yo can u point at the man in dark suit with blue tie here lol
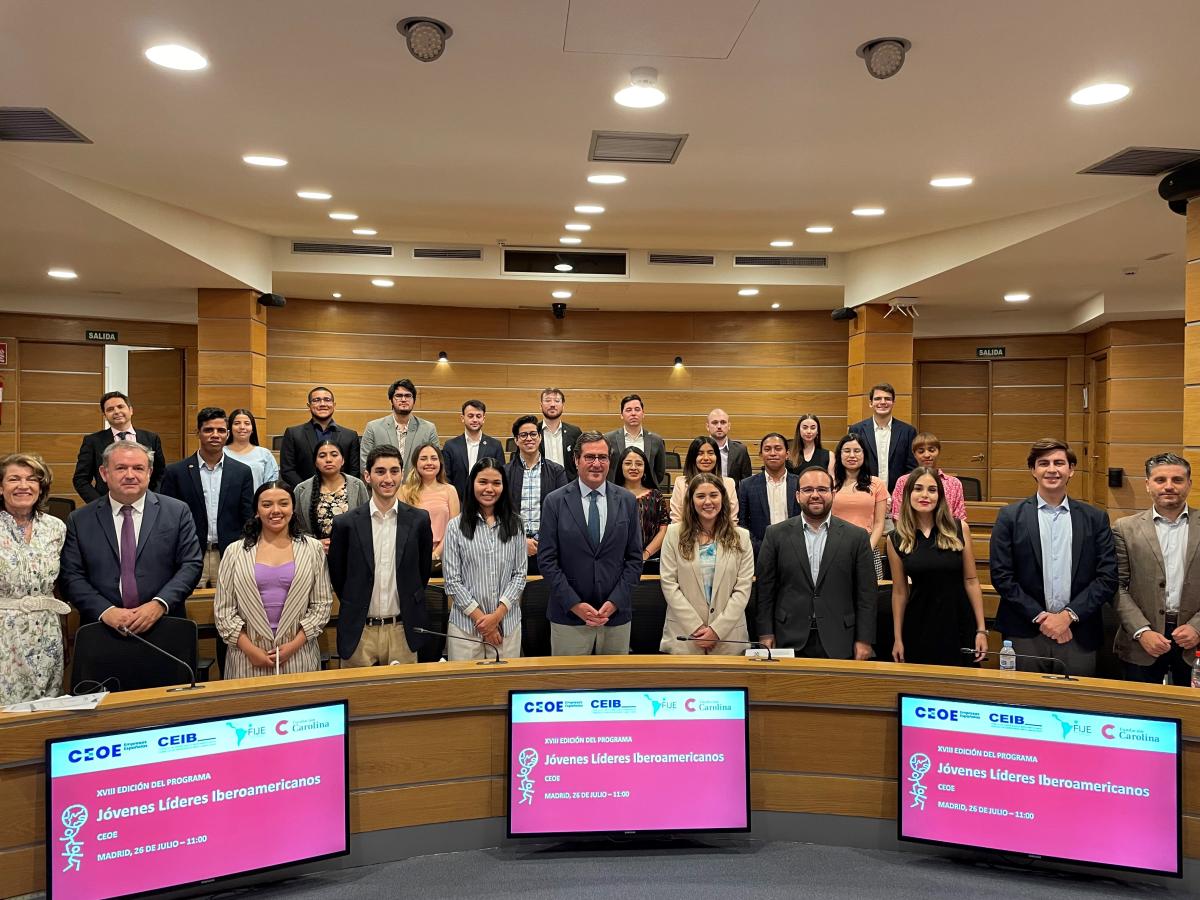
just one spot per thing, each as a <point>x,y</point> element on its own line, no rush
<point>884,429</point>
<point>462,452</point>
<point>768,497</point>
<point>217,489</point>
<point>130,556</point>
<point>590,553</point>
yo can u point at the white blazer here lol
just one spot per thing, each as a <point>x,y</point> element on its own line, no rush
<point>679,496</point>
<point>687,608</point>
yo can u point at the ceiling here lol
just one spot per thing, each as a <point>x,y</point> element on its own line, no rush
<point>488,144</point>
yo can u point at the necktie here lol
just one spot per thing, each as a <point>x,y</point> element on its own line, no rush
<point>594,518</point>
<point>122,435</point>
<point>403,440</point>
<point>129,589</point>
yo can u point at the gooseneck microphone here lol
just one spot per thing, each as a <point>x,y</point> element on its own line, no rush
<point>758,644</point>
<point>125,632</point>
<point>455,637</point>
<point>1065,676</point>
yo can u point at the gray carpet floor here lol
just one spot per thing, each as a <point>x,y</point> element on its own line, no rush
<point>720,871</point>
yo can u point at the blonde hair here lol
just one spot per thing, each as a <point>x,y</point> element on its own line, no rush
<point>724,532</point>
<point>946,528</point>
<point>410,491</point>
<point>40,469</point>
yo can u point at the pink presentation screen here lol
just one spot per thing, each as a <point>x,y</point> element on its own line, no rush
<point>141,811</point>
<point>625,761</point>
<point>1043,782</point>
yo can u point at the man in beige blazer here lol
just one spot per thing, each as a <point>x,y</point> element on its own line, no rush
<point>1158,578</point>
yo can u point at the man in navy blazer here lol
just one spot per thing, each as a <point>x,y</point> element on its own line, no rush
<point>462,452</point>
<point>754,502</point>
<point>218,490</point>
<point>1053,562</point>
<point>165,563</point>
<point>883,427</point>
<point>590,553</point>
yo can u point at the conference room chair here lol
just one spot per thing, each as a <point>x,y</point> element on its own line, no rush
<point>277,443</point>
<point>438,611</point>
<point>649,614</point>
<point>535,627</point>
<point>674,461</point>
<point>120,663</point>
<point>972,487</point>
<point>60,507</point>
<point>510,446</point>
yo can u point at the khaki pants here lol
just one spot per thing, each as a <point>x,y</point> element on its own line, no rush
<point>212,564</point>
<point>584,640</point>
<point>457,651</point>
<point>381,645</point>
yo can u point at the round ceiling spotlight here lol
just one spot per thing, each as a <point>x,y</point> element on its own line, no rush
<point>1100,94</point>
<point>62,274</point>
<point>643,91</point>
<point>868,211</point>
<point>383,282</point>
<point>563,267</point>
<point>884,56</point>
<point>589,209</point>
<point>561,295</point>
<point>365,232</point>
<point>819,229</point>
<point>952,181</point>
<point>1017,296</point>
<point>748,292</point>
<point>314,195</point>
<point>176,56</point>
<point>266,162</point>
<point>606,179</point>
<point>426,38</point>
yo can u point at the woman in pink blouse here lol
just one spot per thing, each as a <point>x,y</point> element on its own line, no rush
<point>927,448</point>
<point>426,487</point>
<point>859,497</point>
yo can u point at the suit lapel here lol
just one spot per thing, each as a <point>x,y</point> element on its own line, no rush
<point>1078,525</point>
<point>610,502</point>
<point>793,505</point>
<point>403,524</point>
<point>105,515</point>
<point>800,548</point>
<point>575,509</point>
<point>150,513</point>
<point>193,465</point>
<point>366,541</point>
<point>868,440</point>
<point>1147,532</point>
<point>695,591</point>
<point>1028,518</point>
<point>1193,539</point>
<point>832,537</point>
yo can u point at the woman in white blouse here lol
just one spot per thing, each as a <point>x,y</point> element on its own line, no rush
<point>242,445</point>
<point>703,456</point>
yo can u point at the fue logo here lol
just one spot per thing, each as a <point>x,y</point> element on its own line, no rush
<point>248,731</point>
<point>656,705</point>
<point>74,817</point>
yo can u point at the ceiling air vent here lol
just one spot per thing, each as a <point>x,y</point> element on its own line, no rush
<point>342,249</point>
<point>447,253</point>
<point>680,259</point>
<point>634,147</point>
<point>1148,161</point>
<point>36,123</point>
<point>801,262</point>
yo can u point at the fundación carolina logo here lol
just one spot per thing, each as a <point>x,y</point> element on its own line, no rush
<point>527,759</point>
<point>74,817</point>
<point>918,765</point>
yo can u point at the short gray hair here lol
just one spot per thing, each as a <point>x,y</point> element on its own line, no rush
<point>126,445</point>
<point>1167,459</point>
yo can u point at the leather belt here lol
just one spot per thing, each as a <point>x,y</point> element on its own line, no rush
<point>383,620</point>
<point>1172,623</point>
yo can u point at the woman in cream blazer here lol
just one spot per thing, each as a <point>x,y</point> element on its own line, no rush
<point>691,610</point>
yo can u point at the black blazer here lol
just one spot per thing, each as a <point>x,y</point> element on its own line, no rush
<point>754,512</point>
<point>739,461</point>
<point>234,507</point>
<point>352,572</point>
<point>299,442</point>
<point>87,481</point>
<point>554,476</point>
<point>900,455</point>
<point>1015,561</point>
<point>454,452</point>
<point>570,436</point>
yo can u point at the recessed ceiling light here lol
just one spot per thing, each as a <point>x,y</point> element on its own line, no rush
<point>868,211</point>
<point>819,229</point>
<point>570,240</point>
<point>561,295</point>
<point>606,179</point>
<point>643,91</point>
<point>1099,94</point>
<point>382,282</point>
<point>343,216</point>
<point>175,56</point>
<point>781,243</point>
<point>314,195</point>
<point>577,226</point>
<point>269,162</point>
<point>64,274</point>
<point>1016,297</point>
<point>365,231</point>
<point>564,267</point>
<point>774,306</point>
<point>952,181</point>
<point>748,292</point>
<point>589,209</point>
<point>337,296</point>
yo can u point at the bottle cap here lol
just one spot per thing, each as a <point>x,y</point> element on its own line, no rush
<point>1009,644</point>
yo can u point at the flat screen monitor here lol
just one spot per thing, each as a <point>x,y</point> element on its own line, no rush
<point>1041,782</point>
<point>135,812</point>
<point>628,762</point>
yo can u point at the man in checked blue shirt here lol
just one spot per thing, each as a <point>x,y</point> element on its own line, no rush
<point>1054,564</point>
<point>530,478</point>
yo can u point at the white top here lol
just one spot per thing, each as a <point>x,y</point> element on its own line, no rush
<point>1172,540</point>
<point>777,499</point>
<point>472,449</point>
<point>552,444</point>
<point>261,462</point>
<point>883,446</point>
<point>385,596</point>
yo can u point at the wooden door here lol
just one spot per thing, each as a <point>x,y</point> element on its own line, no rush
<point>1029,402</point>
<point>156,394</point>
<point>953,404</point>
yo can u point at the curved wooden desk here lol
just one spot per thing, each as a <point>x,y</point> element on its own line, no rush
<point>428,741</point>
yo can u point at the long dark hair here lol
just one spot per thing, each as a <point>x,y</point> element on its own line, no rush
<point>863,481</point>
<point>647,475</point>
<point>253,425</point>
<point>316,480</point>
<point>796,455</point>
<point>689,463</point>
<point>506,515</point>
<point>252,530</point>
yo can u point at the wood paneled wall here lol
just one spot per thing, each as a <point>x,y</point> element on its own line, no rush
<point>763,369</point>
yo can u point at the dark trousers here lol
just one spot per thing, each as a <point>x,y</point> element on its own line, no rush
<point>813,648</point>
<point>1173,662</point>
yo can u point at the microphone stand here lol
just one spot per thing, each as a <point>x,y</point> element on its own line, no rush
<point>758,644</point>
<point>454,637</point>
<point>1065,676</point>
<point>157,649</point>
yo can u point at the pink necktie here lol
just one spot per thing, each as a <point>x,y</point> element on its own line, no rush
<point>129,588</point>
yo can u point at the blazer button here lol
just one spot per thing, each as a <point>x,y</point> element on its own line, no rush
<point>1162,584</point>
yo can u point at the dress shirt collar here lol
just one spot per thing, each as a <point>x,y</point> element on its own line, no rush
<point>823,526</point>
<point>139,505</point>
<point>391,512</point>
<point>886,426</point>
<point>585,490</point>
<point>1043,503</point>
<point>117,432</point>
<point>467,437</point>
<point>724,448</point>
<point>1159,517</point>
<point>555,430</point>
<point>782,479</point>
<point>205,465</point>
<point>529,467</point>
<point>634,437</point>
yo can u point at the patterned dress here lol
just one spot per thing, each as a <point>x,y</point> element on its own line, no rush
<point>31,649</point>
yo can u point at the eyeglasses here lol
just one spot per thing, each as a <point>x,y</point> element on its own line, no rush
<point>401,395</point>
<point>809,491</point>
<point>527,435</point>
<point>594,457</point>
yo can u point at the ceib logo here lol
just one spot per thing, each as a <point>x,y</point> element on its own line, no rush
<point>74,817</point>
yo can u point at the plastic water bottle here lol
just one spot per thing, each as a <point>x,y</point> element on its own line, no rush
<point>1196,670</point>
<point>1008,660</point>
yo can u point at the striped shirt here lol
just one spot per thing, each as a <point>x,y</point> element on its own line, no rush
<point>482,572</point>
<point>531,496</point>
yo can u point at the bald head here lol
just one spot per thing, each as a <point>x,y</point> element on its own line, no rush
<point>718,425</point>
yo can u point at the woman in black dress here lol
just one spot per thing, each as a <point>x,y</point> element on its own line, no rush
<point>941,611</point>
<point>806,448</point>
